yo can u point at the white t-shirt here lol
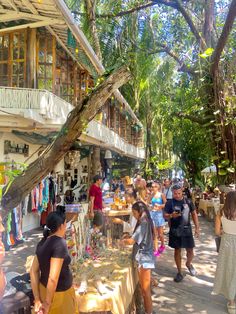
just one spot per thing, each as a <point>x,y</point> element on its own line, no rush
<point>129,226</point>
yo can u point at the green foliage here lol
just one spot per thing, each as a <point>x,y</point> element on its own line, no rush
<point>10,172</point>
<point>178,109</point>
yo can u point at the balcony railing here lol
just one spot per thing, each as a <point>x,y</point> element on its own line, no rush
<point>44,102</point>
<point>112,140</point>
<point>30,103</point>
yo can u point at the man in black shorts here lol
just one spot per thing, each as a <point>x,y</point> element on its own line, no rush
<point>178,211</point>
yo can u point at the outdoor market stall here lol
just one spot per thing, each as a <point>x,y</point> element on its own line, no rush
<point>103,272</point>
<point>110,282</point>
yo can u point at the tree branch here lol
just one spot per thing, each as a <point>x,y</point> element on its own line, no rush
<point>122,13</point>
<point>223,37</point>
<point>191,25</point>
<point>71,130</point>
<point>136,9</point>
<point>193,118</point>
<point>183,66</point>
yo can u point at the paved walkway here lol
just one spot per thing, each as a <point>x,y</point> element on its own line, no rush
<point>192,295</point>
<point>15,259</point>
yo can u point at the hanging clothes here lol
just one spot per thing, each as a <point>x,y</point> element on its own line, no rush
<point>18,215</point>
<point>45,213</point>
<point>29,208</point>
<point>52,194</point>
<point>24,205</point>
<point>45,199</point>
<point>35,199</point>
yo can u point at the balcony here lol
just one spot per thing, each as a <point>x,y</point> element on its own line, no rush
<point>24,108</point>
<point>99,134</point>
<point>41,106</point>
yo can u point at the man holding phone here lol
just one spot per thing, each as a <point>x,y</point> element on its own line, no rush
<point>178,211</point>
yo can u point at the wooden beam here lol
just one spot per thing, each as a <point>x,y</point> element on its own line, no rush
<point>12,4</point>
<point>30,25</point>
<point>11,17</point>
<point>30,6</point>
<point>61,42</point>
<point>64,46</point>
<point>29,16</point>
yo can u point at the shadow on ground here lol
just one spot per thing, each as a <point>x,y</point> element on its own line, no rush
<point>193,294</point>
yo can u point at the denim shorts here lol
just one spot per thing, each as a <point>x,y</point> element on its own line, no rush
<point>147,265</point>
<point>157,218</point>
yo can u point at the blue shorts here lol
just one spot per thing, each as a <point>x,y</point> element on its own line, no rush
<point>146,265</point>
<point>157,218</point>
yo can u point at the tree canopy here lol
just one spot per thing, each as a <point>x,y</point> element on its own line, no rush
<point>182,56</point>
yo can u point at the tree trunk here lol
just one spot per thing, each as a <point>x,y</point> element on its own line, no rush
<point>96,162</point>
<point>209,23</point>
<point>91,7</point>
<point>76,122</point>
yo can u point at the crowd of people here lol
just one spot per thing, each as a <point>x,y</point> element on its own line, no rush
<point>155,206</point>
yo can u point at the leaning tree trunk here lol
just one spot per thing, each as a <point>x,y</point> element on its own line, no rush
<point>76,122</point>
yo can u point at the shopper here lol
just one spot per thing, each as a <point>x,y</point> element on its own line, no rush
<point>51,278</point>
<point>128,226</point>
<point>178,211</point>
<point>167,189</point>
<point>158,201</point>
<point>142,240</point>
<point>95,197</point>
<point>225,279</point>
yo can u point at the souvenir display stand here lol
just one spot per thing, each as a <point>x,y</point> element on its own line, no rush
<point>103,273</point>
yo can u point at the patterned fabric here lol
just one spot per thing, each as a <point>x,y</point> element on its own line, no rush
<point>72,244</point>
<point>225,279</point>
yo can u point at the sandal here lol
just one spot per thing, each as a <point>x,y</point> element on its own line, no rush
<point>231,308</point>
<point>156,253</point>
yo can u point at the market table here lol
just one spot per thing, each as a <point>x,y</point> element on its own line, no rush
<point>116,229</point>
<point>208,207</point>
<point>114,268</point>
<point>117,213</point>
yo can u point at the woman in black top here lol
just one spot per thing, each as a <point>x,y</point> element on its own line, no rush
<point>51,278</point>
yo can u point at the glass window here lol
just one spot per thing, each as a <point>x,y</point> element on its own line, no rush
<point>45,61</point>
<point>12,62</point>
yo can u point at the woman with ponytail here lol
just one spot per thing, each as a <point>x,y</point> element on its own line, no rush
<point>142,240</point>
<point>51,278</point>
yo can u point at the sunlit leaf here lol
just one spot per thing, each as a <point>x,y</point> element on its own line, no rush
<point>222,172</point>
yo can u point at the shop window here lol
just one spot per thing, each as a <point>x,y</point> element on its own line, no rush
<point>12,59</point>
<point>45,62</point>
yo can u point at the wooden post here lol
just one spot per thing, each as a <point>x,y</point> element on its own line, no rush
<point>54,62</point>
<point>75,100</point>
<point>31,58</point>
